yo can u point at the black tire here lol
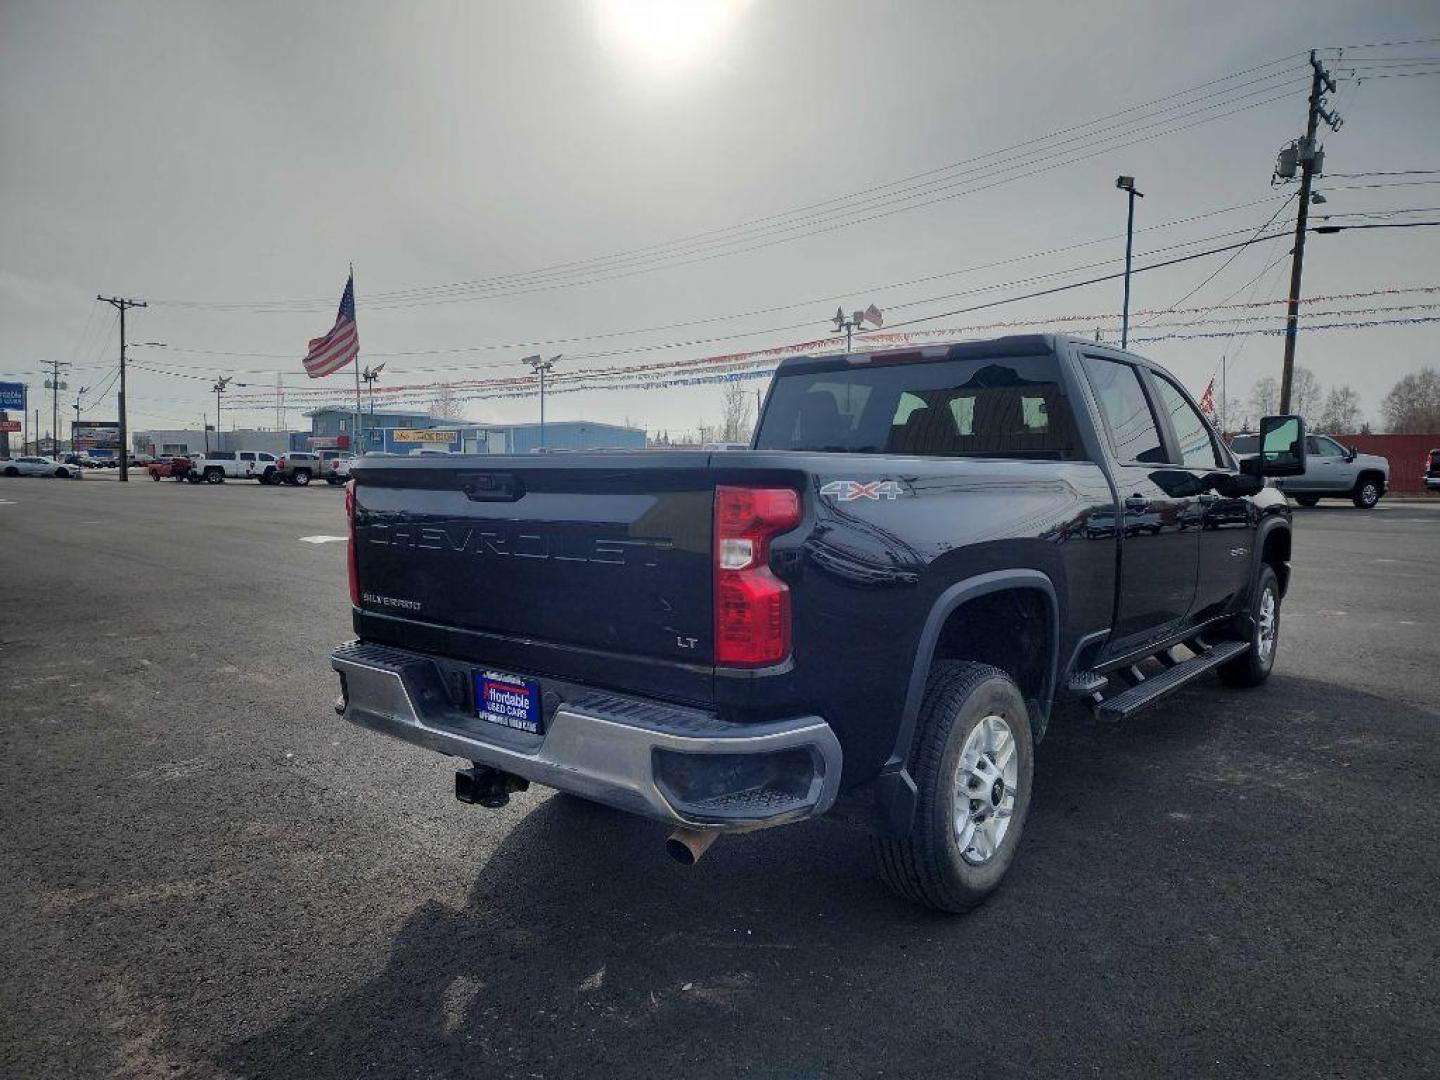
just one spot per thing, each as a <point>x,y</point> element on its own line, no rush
<point>1368,490</point>
<point>1253,667</point>
<point>302,477</point>
<point>155,476</point>
<point>928,867</point>
<point>214,476</point>
<point>10,470</point>
<point>334,481</point>
<point>1307,500</point>
<point>62,474</point>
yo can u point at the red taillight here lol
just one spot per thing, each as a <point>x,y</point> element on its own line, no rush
<point>350,544</point>
<point>280,464</point>
<point>752,605</point>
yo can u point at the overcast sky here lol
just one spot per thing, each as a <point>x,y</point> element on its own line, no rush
<point>233,154</point>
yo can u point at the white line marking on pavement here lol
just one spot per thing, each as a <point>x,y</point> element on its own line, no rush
<point>323,539</point>
<point>7,502</point>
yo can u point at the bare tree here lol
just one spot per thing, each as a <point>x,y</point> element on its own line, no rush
<point>1265,397</point>
<point>445,404</point>
<point>1413,403</point>
<point>1341,412</point>
<point>735,423</point>
<point>1306,394</point>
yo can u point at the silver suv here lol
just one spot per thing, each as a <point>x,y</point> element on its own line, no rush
<point>1332,471</point>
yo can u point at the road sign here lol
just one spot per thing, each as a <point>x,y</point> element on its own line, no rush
<point>12,395</point>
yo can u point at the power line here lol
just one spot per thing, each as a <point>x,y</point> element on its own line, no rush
<point>435,294</point>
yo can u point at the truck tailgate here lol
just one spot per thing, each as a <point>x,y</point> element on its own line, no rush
<point>594,554</point>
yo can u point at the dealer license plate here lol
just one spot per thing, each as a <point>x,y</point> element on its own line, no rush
<point>509,701</point>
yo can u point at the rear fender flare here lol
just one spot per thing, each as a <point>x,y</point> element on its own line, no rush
<point>957,594</point>
<point>895,790</point>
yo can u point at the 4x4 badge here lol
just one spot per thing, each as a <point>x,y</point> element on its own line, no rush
<point>850,490</point>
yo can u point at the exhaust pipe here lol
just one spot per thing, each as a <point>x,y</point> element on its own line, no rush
<point>687,845</point>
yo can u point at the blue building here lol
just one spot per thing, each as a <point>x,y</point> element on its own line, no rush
<point>401,432</point>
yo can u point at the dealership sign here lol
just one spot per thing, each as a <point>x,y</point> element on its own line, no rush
<point>9,425</point>
<point>97,435</point>
<point>12,395</point>
<point>427,435</point>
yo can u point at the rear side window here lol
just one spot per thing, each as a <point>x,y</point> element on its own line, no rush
<point>1197,451</point>
<point>982,407</point>
<point>222,455</point>
<point>1134,435</point>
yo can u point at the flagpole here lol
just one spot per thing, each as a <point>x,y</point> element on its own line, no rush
<point>359,446</point>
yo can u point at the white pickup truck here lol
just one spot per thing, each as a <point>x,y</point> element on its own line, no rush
<point>336,466</point>
<point>216,466</point>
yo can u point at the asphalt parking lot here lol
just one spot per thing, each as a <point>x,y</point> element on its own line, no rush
<point>205,874</point>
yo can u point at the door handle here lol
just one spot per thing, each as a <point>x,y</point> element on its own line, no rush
<point>1209,498</point>
<point>1136,502</point>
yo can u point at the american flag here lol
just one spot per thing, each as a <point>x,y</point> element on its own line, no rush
<point>1207,399</point>
<point>341,345</point>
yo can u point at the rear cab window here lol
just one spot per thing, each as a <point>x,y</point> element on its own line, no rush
<point>1002,407</point>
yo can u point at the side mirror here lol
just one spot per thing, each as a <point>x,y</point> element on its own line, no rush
<point>1282,446</point>
<point>1351,453</point>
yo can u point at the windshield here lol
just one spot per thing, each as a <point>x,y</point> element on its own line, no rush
<point>981,407</point>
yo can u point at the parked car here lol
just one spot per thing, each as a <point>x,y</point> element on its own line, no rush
<point>216,466</point>
<point>1332,471</point>
<point>876,607</point>
<point>1432,470</point>
<point>298,467</point>
<point>40,466</point>
<point>176,468</point>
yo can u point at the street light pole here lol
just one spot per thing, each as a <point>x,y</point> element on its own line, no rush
<point>78,395</point>
<point>542,367</point>
<point>1127,185</point>
<point>848,324</point>
<point>219,388</point>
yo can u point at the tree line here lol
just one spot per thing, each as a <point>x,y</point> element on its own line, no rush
<point>1411,406</point>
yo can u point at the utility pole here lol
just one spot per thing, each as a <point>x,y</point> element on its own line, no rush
<point>542,367</point>
<point>1127,184</point>
<point>1311,161</point>
<point>122,305</point>
<point>55,388</point>
<point>219,388</point>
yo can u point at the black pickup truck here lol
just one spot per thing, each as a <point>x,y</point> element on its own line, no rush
<point>874,609</point>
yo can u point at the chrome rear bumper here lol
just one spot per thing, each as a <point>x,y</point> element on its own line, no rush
<point>680,765</point>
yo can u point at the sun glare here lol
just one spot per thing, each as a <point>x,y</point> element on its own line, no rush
<point>666,34</point>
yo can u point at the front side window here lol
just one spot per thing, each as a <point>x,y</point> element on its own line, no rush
<point>1328,447</point>
<point>1013,406</point>
<point>1197,451</point>
<point>1134,435</point>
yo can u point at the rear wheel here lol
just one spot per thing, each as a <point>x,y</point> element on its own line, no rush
<point>214,476</point>
<point>1252,667</point>
<point>1367,493</point>
<point>972,762</point>
<point>10,470</point>
<point>302,477</point>
<point>155,476</point>
<point>1307,500</point>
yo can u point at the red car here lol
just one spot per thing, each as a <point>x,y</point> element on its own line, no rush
<point>176,467</point>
